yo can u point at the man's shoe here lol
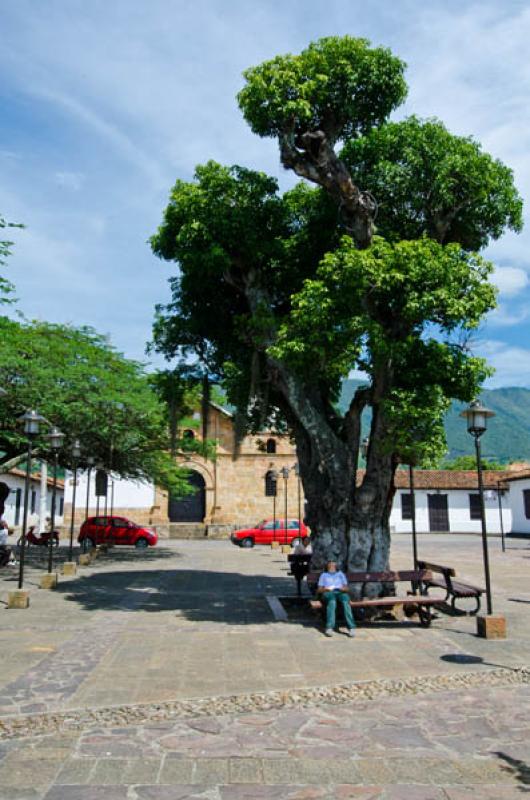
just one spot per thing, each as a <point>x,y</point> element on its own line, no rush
<point>351,633</point>
<point>328,632</point>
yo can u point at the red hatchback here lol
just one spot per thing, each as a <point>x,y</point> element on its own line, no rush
<point>119,530</point>
<point>271,531</point>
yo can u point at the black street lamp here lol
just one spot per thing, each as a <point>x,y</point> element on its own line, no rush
<point>32,421</point>
<point>365,446</point>
<point>296,468</point>
<point>56,439</point>
<point>499,499</point>
<point>90,460</point>
<point>477,417</point>
<point>413,515</point>
<point>285,474</point>
<point>273,478</point>
<point>76,454</point>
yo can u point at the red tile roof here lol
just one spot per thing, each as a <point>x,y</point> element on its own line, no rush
<point>35,476</point>
<point>445,479</point>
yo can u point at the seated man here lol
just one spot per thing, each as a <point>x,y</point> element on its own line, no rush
<point>303,548</point>
<point>333,586</point>
<point>5,551</point>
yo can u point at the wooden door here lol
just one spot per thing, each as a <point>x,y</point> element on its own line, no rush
<point>438,512</point>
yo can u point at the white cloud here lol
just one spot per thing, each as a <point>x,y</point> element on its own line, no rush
<point>70,180</point>
<point>506,316</point>
<point>510,280</point>
<point>129,96</point>
<point>511,363</point>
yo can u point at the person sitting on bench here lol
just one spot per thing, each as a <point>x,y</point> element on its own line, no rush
<point>303,548</point>
<point>333,588</point>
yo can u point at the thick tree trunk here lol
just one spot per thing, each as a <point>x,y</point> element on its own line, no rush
<point>349,524</point>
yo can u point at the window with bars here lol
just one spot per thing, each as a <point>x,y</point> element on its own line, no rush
<point>526,500</point>
<point>406,506</point>
<point>270,484</point>
<point>474,506</point>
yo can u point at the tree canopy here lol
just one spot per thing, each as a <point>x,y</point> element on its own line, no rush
<point>373,267</point>
<point>80,383</point>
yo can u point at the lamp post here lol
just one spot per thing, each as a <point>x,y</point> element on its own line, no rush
<point>285,474</point>
<point>90,460</point>
<point>32,421</point>
<point>365,446</point>
<point>296,468</point>
<point>56,439</point>
<point>499,498</point>
<point>76,454</point>
<point>477,417</point>
<point>413,515</point>
<point>273,476</point>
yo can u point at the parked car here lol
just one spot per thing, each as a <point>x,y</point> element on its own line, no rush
<point>269,531</point>
<point>119,530</point>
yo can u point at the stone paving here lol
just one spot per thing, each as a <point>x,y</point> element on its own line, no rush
<point>170,626</point>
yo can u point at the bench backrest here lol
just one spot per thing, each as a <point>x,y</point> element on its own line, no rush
<point>299,558</point>
<point>437,568</point>
<point>412,576</point>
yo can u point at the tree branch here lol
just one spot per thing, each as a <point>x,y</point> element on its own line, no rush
<point>312,157</point>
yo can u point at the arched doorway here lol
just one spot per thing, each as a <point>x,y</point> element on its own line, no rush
<point>191,508</point>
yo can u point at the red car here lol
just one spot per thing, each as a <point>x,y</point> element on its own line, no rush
<point>119,530</point>
<point>265,533</point>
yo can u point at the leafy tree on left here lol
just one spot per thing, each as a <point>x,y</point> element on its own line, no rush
<point>90,391</point>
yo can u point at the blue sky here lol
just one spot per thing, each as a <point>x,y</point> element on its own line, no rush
<point>105,104</point>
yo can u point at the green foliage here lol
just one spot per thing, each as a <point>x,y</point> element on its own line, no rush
<point>470,463</point>
<point>6,287</point>
<point>429,182</point>
<point>269,283</point>
<point>82,385</point>
<point>339,85</point>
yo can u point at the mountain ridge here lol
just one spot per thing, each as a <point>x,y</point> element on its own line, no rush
<point>508,435</point>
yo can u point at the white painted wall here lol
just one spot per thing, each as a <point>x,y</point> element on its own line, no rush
<point>520,524</point>
<point>17,482</point>
<point>127,494</point>
<point>459,516</point>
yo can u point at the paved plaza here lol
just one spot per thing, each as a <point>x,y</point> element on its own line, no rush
<point>175,673</point>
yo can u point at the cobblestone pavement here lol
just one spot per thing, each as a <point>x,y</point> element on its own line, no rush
<point>191,620</point>
<point>451,746</point>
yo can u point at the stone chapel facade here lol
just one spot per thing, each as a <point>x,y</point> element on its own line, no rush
<point>233,490</point>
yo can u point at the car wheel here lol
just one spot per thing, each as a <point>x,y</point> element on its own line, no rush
<point>296,541</point>
<point>141,544</point>
<point>89,543</point>
<point>248,542</point>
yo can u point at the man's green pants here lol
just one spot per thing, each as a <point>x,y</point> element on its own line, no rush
<point>331,599</point>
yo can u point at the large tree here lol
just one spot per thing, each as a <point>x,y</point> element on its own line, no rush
<point>369,263</point>
<point>80,383</point>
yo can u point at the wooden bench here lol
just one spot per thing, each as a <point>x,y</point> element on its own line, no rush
<point>454,590</point>
<point>299,568</point>
<point>419,601</point>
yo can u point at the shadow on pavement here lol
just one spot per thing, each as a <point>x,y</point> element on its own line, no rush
<point>198,595</point>
<point>519,769</point>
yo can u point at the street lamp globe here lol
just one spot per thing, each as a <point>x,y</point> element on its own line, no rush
<point>76,450</point>
<point>32,421</point>
<point>365,444</point>
<point>56,438</point>
<point>477,418</point>
<point>285,472</point>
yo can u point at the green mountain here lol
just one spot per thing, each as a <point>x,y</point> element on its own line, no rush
<point>508,435</point>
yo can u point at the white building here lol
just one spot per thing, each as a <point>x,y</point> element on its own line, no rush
<point>14,504</point>
<point>519,484</point>
<point>448,500</point>
<point>125,497</point>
